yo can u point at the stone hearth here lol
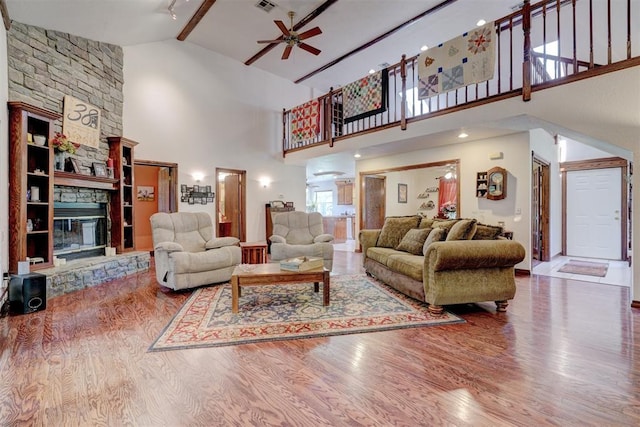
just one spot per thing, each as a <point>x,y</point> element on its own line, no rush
<point>86,272</point>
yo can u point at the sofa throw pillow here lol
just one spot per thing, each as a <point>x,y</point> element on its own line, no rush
<point>444,223</point>
<point>426,222</point>
<point>394,229</point>
<point>487,232</point>
<point>462,230</point>
<point>413,241</point>
<point>436,235</point>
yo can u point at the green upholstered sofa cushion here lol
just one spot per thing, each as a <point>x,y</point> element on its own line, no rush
<point>487,232</point>
<point>394,229</point>
<point>436,235</point>
<point>413,240</point>
<point>464,229</point>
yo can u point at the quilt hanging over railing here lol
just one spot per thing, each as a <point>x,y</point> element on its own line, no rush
<point>465,60</point>
<point>366,96</point>
<point>305,121</point>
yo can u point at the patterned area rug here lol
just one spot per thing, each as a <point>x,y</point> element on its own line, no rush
<point>292,311</point>
<point>586,268</point>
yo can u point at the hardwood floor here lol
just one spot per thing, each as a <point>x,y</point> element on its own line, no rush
<point>565,353</point>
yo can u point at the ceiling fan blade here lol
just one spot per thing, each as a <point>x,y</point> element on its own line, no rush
<point>310,33</point>
<point>271,41</point>
<point>309,49</point>
<point>287,52</point>
<point>282,27</point>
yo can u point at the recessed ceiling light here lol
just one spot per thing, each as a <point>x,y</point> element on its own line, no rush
<point>357,155</point>
<point>463,134</point>
<point>371,71</point>
<point>481,22</point>
<point>424,47</point>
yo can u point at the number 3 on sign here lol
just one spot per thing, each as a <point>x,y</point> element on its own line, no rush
<point>81,122</point>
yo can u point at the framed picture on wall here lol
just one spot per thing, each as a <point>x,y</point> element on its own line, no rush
<point>402,193</point>
<point>146,193</point>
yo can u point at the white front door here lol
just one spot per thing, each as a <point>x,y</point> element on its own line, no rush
<point>594,203</point>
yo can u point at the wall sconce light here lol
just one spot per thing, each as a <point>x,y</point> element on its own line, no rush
<point>265,182</point>
<point>197,176</point>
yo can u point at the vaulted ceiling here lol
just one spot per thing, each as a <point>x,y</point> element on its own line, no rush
<point>232,28</point>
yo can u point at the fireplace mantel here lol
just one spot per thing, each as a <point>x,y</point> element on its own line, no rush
<point>71,179</point>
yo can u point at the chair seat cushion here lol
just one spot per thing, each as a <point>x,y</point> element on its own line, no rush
<point>194,262</point>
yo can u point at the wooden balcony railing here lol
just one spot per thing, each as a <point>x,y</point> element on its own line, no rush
<point>544,44</point>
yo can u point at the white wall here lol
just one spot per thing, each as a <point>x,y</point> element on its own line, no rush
<point>474,157</point>
<point>543,144</point>
<point>190,106</point>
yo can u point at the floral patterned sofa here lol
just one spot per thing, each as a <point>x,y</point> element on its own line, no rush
<point>443,262</point>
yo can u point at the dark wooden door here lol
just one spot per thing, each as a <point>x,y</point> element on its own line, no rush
<point>540,233</point>
<point>232,204</point>
<point>373,209</point>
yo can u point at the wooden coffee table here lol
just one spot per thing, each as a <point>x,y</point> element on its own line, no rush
<point>270,274</point>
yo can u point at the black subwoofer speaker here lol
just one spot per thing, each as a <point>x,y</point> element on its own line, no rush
<point>27,293</point>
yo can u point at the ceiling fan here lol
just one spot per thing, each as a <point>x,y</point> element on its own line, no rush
<point>292,38</point>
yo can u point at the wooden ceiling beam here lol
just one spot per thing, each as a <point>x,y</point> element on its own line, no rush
<point>381,37</point>
<point>5,15</point>
<point>304,21</point>
<point>195,19</point>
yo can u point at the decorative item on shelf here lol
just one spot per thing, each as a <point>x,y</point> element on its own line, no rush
<point>29,225</point>
<point>34,193</point>
<point>39,139</point>
<point>62,146</point>
<point>425,193</point>
<point>448,210</point>
<point>74,165</point>
<point>99,169</point>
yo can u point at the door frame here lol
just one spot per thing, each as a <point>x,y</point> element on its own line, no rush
<point>543,221</point>
<point>242,198</point>
<point>173,180</point>
<point>362,174</point>
<point>606,163</point>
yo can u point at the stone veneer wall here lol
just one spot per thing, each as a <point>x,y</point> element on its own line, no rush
<point>45,65</point>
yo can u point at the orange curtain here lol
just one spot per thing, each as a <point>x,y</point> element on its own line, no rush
<point>448,193</point>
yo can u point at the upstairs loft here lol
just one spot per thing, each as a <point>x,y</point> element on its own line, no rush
<point>540,46</point>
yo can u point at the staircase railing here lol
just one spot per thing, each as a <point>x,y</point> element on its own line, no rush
<point>545,44</point>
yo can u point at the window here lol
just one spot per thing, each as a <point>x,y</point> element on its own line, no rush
<point>324,202</point>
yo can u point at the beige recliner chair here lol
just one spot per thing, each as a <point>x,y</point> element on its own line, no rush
<point>186,253</point>
<point>300,234</point>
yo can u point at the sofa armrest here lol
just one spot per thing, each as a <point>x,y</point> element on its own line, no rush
<point>277,239</point>
<point>323,238</point>
<point>471,254</point>
<point>219,242</point>
<point>368,238</point>
<point>168,247</point>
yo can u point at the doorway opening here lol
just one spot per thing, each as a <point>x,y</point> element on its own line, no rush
<point>540,210</point>
<point>231,204</point>
<point>163,177</point>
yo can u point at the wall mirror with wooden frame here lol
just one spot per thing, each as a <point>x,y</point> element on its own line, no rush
<point>432,191</point>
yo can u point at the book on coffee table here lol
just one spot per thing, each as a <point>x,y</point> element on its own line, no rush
<point>302,263</point>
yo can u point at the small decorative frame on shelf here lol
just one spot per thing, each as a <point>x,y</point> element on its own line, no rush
<point>100,169</point>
